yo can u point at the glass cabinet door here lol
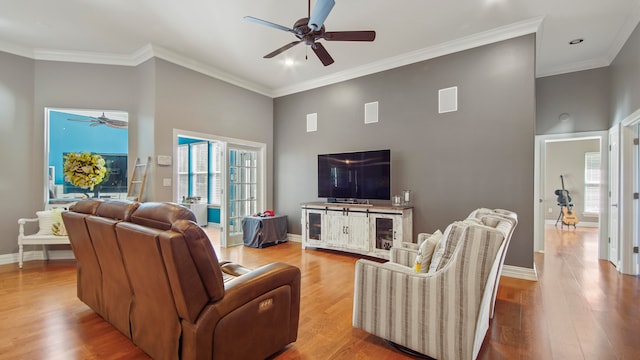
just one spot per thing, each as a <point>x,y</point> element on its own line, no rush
<point>384,233</point>
<point>314,222</point>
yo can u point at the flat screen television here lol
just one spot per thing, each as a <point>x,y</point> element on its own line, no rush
<point>362,175</point>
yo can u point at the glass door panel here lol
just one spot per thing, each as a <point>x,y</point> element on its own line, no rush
<point>384,233</point>
<point>242,187</point>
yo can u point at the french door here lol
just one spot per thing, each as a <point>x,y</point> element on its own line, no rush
<point>237,180</point>
<point>243,190</point>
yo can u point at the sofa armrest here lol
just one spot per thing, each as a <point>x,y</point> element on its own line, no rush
<point>453,303</point>
<point>245,297</point>
<point>403,256</point>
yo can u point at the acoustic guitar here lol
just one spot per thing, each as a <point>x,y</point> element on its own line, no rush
<point>569,216</point>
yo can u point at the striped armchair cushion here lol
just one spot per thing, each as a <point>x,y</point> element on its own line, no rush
<point>443,314</point>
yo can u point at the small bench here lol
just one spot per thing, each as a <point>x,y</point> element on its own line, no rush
<point>35,239</point>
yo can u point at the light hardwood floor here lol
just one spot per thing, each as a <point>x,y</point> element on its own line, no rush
<point>580,308</point>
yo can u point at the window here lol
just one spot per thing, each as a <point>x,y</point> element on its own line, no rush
<point>215,174</point>
<point>183,171</point>
<point>199,172</point>
<point>592,183</point>
<point>199,162</point>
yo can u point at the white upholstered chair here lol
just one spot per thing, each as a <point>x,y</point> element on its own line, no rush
<point>43,237</point>
<point>444,314</point>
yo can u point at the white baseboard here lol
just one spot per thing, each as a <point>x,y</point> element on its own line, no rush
<point>588,224</point>
<point>37,255</point>
<point>520,272</point>
<point>294,238</point>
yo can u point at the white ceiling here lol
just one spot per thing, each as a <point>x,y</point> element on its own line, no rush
<point>212,37</point>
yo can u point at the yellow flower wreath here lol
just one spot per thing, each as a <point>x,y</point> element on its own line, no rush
<point>84,170</point>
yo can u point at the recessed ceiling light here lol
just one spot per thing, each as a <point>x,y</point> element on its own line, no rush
<point>575,41</point>
<point>289,62</point>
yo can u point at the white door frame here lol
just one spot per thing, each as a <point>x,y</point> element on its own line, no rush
<point>614,196</point>
<point>226,142</point>
<point>539,173</point>
<point>629,208</point>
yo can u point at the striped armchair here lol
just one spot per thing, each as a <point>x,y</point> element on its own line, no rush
<point>444,314</point>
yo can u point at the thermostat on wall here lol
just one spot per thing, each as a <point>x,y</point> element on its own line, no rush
<point>164,160</point>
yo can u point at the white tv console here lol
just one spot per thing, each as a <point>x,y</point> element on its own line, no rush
<point>363,229</point>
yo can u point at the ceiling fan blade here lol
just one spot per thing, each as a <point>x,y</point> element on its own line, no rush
<point>282,49</point>
<point>322,54</point>
<point>320,13</point>
<point>349,35</point>
<point>82,120</point>
<point>118,125</point>
<point>267,23</point>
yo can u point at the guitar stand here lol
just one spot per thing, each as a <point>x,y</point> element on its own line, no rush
<point>560,216</point>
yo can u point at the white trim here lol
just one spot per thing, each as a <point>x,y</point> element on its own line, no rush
<point>573,67</point>
<point>587,224</point>
<point>149,51</point>
<point>539,173</point>
<point>261,148</point>
<point>520,272</point>
<point>625,32</point>
<point>632,119</point>
<point>294,238</point>
<point>501,33</point>
<point>37,255</point>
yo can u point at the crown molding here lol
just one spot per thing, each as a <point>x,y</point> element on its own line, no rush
<point>83,57</point>
<point>625,32</point>
<point>14,49</point>
<point>149,51</point>
<point>487,37</point>
<point>616,45</point>
<point>573,67</point>
<point>210,71</point>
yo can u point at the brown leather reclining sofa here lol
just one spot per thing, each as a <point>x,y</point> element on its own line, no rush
<point>150,271</point>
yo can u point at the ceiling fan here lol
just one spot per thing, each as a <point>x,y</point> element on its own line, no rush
<point>311,29</point>
<point>103,120</point>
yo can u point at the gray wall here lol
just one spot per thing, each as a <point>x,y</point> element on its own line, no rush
<point>188,100</point>
<point>158,96</point>
<point>584,95</point>
<point>21,177</point>
<point>480,156</point>
<point>625,75</point>
<point>567,158</point>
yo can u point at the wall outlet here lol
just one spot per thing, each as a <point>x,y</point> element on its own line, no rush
<point>550,210</point>
<point>166,182</point>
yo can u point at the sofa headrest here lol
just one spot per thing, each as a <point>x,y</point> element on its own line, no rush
<point>160,215</point>
<point>117,209</point>
<point>87,206</point>
<point>204,257</point>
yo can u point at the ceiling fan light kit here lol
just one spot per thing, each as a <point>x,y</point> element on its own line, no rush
<point>311,29</point>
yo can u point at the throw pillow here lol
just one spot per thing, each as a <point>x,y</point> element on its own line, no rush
<point>426,249</point>
<point>453,234</point>
<point>58,227</point>
<point>46,220</point>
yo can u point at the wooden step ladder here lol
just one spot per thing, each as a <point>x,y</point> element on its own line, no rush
<point>138,180</point>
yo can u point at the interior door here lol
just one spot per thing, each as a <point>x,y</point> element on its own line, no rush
<point>242,190</point>
<point>614,192</point>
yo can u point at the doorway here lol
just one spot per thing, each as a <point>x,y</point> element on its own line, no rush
<point>230,183</point>
<point>568,155</point>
